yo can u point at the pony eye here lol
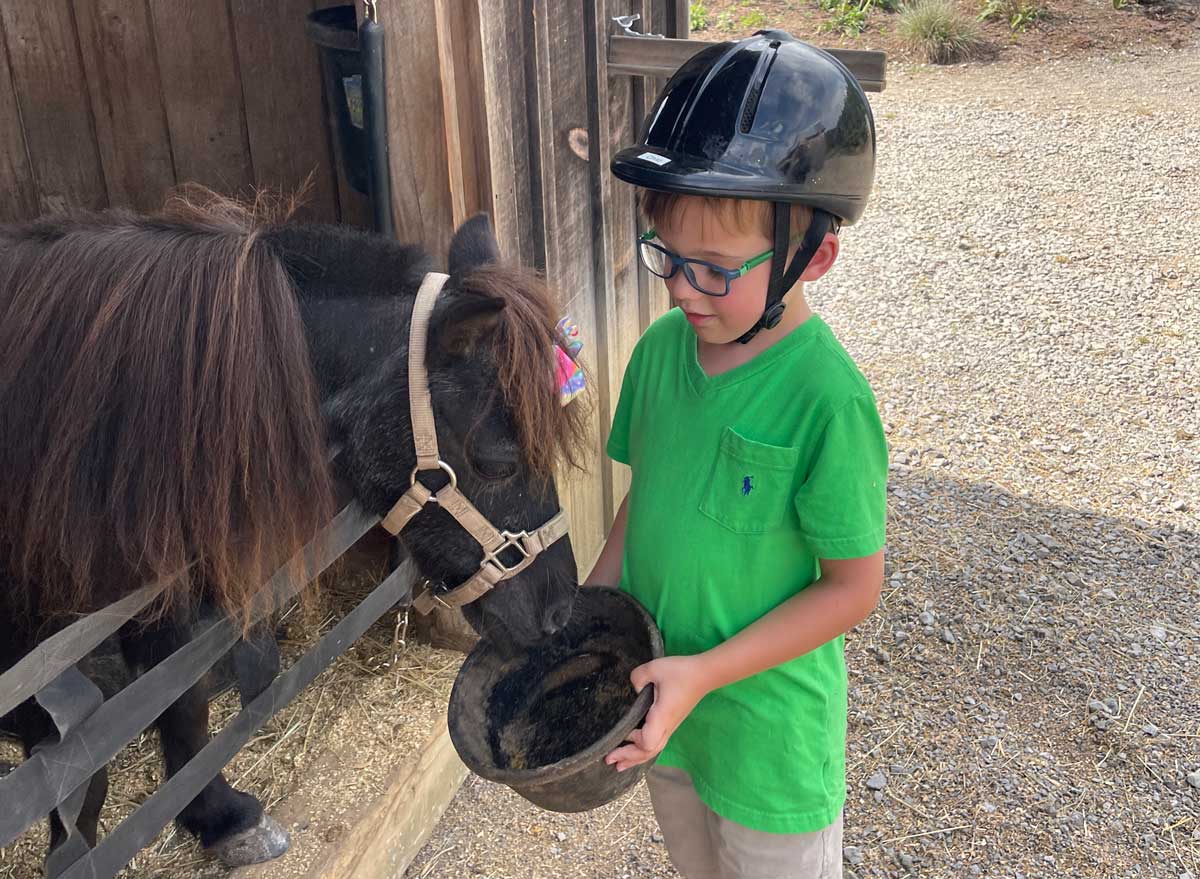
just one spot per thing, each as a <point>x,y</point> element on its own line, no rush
<point>495,471</point>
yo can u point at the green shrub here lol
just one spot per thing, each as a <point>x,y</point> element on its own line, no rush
<point>1019,14</point>
<point>697,16</point>
<point>938,31</point>
<point>753,19</point>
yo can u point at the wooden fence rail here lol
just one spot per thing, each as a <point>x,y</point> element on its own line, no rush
<point>53,773</point>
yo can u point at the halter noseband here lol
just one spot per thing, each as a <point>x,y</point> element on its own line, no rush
<point>527,544</point>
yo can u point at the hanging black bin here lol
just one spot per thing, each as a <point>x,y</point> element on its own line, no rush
<point>335,31</point>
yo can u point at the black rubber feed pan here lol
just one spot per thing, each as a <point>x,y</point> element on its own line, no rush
<point>543,720</point>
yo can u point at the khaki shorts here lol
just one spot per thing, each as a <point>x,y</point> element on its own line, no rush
<point>703,845</point>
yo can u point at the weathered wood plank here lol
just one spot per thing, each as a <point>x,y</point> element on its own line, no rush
<point>43,53</point>
<point>640,56</point>
<point>388,835</point>
<point>612,128</point>
<point>416,142</point>
<point>119,58</point>
<point>202,93</point>
<point>281,88</point>
<point>653,299</point>
<point>16,171</point>
<point>515,215</point>
<point>561,94</point>
<point>460,55</point>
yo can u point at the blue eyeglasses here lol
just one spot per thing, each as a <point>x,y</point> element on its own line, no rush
<point>707,277</point>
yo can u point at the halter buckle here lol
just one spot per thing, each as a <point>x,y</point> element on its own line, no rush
<point>512,540</point>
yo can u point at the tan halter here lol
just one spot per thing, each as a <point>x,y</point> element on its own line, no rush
<point>529,544</point>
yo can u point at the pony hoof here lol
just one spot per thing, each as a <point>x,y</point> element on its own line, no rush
<point>262,842</point>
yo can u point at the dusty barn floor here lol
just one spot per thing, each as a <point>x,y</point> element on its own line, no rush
<point>1024,296</point>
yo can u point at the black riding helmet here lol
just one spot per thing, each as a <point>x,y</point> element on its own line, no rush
<point>768,118</point>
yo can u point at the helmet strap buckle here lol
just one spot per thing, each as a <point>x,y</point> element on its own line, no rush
<point>782,279</point>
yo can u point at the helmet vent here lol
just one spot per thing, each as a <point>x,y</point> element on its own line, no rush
<point>750,108</point>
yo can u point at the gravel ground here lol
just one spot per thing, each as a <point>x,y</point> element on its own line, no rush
<point>1024,297</point>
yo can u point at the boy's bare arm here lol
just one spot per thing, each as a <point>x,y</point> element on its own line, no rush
<point>607,570</point>
<point>843,597</point>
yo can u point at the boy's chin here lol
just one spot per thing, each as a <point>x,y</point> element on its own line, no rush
<point>717,334</point>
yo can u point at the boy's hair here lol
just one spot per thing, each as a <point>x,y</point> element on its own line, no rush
<point>739,215</point>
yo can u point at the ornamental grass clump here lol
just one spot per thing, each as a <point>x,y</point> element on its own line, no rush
<point>938,31</point>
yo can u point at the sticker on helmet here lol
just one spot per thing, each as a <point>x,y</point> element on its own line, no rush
<point>658,160</point>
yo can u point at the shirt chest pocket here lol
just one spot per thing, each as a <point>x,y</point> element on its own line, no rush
<point>750,485</point>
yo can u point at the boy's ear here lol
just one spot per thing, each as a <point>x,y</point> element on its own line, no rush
<point>822,260</point>
<point>466,321</point>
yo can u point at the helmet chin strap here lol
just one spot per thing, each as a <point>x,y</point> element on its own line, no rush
<point>781,280</point>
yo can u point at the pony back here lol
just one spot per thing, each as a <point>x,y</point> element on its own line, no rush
<point>159,412</point>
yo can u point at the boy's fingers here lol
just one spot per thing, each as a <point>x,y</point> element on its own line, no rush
<point>627,756</point>
<point>640,676</point>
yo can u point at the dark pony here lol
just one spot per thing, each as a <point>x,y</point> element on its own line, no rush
<point>174,388</point>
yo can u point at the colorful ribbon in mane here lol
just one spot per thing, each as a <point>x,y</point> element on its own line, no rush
<point>570,373</point>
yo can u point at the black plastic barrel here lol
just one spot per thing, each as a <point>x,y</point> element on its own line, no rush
<point>541,721</point>
<point>335,31</point>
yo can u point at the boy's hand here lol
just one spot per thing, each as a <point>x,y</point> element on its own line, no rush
<point>679,683</point>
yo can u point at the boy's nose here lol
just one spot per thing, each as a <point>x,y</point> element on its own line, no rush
<point>679,288</point>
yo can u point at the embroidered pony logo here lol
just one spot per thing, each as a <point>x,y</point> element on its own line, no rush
<point>747,485</point>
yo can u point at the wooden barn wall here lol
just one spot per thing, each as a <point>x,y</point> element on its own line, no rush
<point>113,102</point>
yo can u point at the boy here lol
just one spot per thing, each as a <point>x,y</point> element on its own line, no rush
<point>753,530</point>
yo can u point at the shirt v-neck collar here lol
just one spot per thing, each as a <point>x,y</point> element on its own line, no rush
<point>703,384</point>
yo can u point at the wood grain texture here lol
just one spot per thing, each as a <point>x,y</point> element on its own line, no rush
<point>460,55</point>
<point>120,61</point>
<point>416,141</point>
<point>562,101</point>
<point>19,199</point>
<point>202,93</point>
<point>55,111</point>
<point>509,138</point>
<point>281,91</point>
<point>614,127</point>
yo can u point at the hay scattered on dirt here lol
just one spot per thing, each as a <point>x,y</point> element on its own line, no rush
<point>373,707</point>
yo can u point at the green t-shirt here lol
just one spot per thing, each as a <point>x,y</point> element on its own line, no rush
<point>741,482</point>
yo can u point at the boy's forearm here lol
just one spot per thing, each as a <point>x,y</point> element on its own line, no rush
<point>828,608</point>
<point>607,569</point>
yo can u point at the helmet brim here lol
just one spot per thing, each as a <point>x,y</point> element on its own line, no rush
<point>654,168</point>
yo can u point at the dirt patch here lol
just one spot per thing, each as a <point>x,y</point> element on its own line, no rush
<point>1065,28</point>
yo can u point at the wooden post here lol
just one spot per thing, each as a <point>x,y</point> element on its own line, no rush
<point>562,99</point>
<point>421,201</point>
<point>516,214</point>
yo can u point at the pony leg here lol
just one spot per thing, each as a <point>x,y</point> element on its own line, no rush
<point>32,725</point>
<point>229,823</point>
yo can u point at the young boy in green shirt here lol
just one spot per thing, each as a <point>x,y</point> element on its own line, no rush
<point>753,530</point>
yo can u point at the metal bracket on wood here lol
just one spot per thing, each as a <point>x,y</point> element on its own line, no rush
<point>626,22</point>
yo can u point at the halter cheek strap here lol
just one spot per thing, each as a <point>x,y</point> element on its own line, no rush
<point>525,545</point>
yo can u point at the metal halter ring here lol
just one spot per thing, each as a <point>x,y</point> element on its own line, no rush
<point>443,466</point>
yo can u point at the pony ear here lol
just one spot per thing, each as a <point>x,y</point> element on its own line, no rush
<point>473,245</point>
<point>467,320</point>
